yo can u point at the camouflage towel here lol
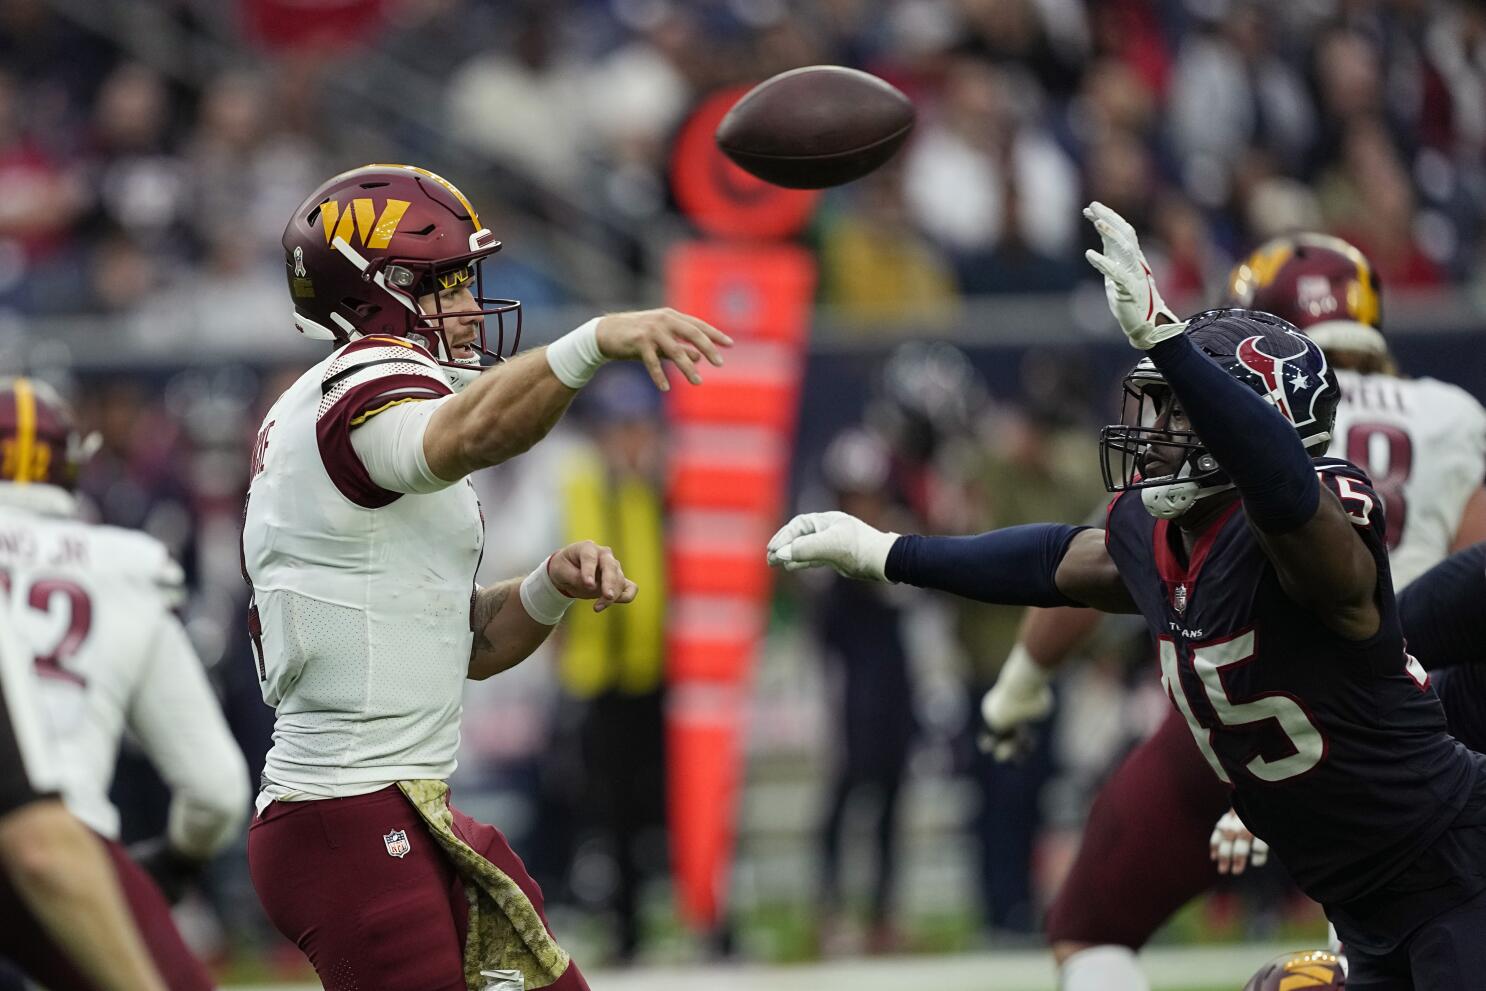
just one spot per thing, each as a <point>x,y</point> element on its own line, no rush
<point>505,931</point>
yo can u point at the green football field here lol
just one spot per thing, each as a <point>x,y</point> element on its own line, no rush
<point>1203,968</point>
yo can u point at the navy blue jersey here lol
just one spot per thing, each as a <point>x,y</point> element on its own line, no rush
<point>1336,749</point>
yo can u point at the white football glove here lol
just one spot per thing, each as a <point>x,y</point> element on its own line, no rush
<point>1021,695</point>
<point>838,539</point>
<point>1128,285</point>
<point>1232,847</point>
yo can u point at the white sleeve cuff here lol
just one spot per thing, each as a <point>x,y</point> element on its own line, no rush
<point>575,356</point>
<point>390,446</point>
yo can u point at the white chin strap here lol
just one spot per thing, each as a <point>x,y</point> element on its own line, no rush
<point>1167,502</point>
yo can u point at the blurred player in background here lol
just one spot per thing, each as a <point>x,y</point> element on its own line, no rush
<point>1423,443</point>
<point>861,629</point>
<point>1278,632</point>
<point>361,538</point>
<point>65,920</point>
<point>95,605</point>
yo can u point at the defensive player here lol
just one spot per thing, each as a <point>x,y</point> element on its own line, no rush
<point>1424,444</point>
<point>95,606</point>
<point>361,538</point>
<point>1263,577</point>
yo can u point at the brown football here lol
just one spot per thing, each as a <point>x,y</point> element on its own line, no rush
<point>1311,970</point>
<point>816,127</point>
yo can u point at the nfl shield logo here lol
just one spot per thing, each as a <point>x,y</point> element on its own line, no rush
<point>397,843</point>
<point>1179,599</point>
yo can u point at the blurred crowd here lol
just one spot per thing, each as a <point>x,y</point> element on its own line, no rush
<point>136,172</point>
<point>143,180</point>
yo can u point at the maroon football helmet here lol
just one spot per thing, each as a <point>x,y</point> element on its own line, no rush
<point>361,250</point>
<point>1316,970</point>
<point>1320,283</point>
<point>39,443</point>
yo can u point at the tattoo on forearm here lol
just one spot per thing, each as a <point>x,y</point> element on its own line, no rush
<point>488,602</point>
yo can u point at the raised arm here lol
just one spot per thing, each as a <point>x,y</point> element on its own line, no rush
<point>509,408</point>
<point>1322,562</point>
<point>1044,564</point>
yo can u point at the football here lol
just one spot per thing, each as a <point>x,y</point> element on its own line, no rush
<point>1309,970</point>
<point>819,126</point>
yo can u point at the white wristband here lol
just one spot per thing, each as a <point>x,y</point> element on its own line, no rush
<point>541,598</point>
<point>575,356</point>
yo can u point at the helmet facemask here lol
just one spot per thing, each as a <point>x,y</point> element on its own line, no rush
<point>1170,467</point>
<point>408,279</point>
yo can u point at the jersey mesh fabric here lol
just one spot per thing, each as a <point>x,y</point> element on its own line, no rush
<point>364,610</point>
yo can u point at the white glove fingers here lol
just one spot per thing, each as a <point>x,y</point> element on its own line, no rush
<point>1225,854</point>
<point>1240,853</point>
<point>797,527</point>
<point>1117,225</point>
<point>1103,265</point>
<point>1260,855</point>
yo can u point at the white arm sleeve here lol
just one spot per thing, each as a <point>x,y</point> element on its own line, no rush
<point>176,718</point>
<point>390,446</point>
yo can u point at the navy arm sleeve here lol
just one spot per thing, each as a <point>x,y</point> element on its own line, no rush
<point>1443,611</point>
<point>1015,566</point>
<point>1253,443</point>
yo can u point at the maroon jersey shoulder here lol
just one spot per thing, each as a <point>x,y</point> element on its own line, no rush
<point>367,377</point>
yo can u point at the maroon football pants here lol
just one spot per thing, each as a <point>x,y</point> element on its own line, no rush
<point>1144,852</point>
<point>26,944</point>
<point>329,877</point>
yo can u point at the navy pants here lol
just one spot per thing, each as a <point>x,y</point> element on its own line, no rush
<point>1447,953</point>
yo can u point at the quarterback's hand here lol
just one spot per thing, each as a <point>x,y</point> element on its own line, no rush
<point>1020,696</point>
<point>1232,847</point>
<point>587,570</point>
<point>653,336</point>
<point>838,539</point>
<point>1128,285</point>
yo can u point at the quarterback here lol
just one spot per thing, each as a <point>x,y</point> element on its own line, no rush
<point>361,537</point>
<point>1261,569</point>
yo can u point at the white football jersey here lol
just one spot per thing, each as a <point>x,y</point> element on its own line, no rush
<point>94,606</point>
<point>1424,444</point>
<point>361,595</point>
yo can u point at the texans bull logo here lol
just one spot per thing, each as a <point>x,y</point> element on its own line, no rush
<point>1292,382</point>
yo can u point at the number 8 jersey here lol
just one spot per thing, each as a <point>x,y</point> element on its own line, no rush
<point>1423,442</point>
<point>1336,749</point>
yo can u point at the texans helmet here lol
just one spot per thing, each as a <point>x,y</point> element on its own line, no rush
<point>39,441</point>
<point>1279,363</point>
<point>1308,970</point>
<point>362,249</point>
<point>1321,284</point>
